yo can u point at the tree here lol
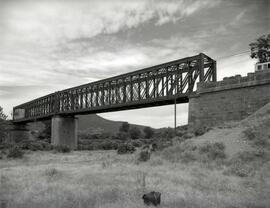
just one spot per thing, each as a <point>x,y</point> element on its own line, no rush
<point>2,115</point>
<point>148,132</point>
<point>124,127</point>
<point>3,118</point>
<point>134,133</point>
<point>260,49</point>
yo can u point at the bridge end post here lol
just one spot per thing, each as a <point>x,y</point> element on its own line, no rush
<point>64,131</point>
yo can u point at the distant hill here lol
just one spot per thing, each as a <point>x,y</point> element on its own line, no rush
<point>89,122</point>
<point>94,121</point>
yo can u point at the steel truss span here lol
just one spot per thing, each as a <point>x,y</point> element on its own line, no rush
<point>154,86</point>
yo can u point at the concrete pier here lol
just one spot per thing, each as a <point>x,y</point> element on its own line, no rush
<point>18,132</point>
<point>64,131</point>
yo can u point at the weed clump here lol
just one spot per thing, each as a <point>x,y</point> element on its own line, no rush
<point>184,152</point>
<point>245,163</point>
<point>15,152</point>
<point>144,156</point>
<point>62,148</point>
<point>35,145</point>
<point>126,149</point>
<point>256,137</point>
<point>213,151</point>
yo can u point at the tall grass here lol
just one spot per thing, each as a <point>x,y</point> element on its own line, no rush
<point>79,180</point>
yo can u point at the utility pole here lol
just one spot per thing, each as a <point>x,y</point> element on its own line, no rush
<point>175,116</point>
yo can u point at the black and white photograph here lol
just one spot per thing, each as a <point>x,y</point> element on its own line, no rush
<point>134,103</point>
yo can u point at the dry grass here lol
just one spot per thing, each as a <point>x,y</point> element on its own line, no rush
<point>105,179</point>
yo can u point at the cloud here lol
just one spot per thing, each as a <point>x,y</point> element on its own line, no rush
<point>50,45</point>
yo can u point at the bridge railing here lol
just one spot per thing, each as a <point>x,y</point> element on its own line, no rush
<point>155,84</point>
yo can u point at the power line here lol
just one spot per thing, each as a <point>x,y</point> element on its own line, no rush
<point>237,54</point>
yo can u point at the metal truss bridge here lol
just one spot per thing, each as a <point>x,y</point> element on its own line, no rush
<point>163,84</point>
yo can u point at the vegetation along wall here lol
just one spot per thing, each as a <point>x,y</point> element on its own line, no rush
<point>233,98</point>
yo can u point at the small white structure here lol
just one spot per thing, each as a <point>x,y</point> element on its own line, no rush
<point>262,66</point>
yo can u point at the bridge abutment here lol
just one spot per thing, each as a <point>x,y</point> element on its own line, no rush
<point>232,99</point>
<point>64,131</point>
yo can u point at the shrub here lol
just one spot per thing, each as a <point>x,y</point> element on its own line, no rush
<point>135,133</point>
<point>144,156</point>
<point>124,127</point>
<point>121,136</point>
<point>156,161</point>
<point>62,148</point>
<point>126,148</point>
<point>185,152</point>
<point>213,151</point>
<point>256,137</point>
<point>109,145</point>
<point>15,152</point>
<point>201,131</point>
<point>137,143</point>
<point>148,132</point>
<point>244,163</point>
<point>240,169</point>
<point>35,145</point>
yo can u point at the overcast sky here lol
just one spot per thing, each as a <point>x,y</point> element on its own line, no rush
<point>50,45</point>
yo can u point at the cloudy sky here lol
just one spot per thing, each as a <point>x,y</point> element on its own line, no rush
<point>49,45</point>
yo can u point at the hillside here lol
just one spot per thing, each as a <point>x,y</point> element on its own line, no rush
<point>93,121</point>
<point>249,134</point>
<point>89,122</point>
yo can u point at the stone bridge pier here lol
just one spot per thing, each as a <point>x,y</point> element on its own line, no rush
<point>64,131</point>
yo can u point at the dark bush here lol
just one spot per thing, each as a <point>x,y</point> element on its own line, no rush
<point>148,132</point>
<point>124,127</point>
<point>15,152</point>
<point>201,131</point>
<point>144,155</point>
<point>126,149</point>
<point>121,136</point>
<point>35,145</point>
<point>62,148</point>
<point>135,133</point>
<point>137,143</point>
<point>109,145</point>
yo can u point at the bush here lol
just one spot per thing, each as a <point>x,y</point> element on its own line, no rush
<point>256,137</point>
<point>126,149</point>
<point>148,132</point>
<point>245,163</point>
<point>121,136</point>
<point>213,151</point>
<point>124,127</point>
<point>15,152</point>
<point>135,133</point>
<point>137,143</point>
<point>35,145</point>
<point>185,152</point>
<point>62,148</point>
<point>201,131</point>
<point>109,145</point>
<point>144,156</point>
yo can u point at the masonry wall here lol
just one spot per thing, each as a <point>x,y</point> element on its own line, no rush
<point>232,99</point>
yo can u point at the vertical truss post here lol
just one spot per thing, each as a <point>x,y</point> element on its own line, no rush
<point>214,71</point>
<point>131,89</point>
<point>201,67</point>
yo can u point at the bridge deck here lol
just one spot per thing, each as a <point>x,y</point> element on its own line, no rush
<point>154,86</point>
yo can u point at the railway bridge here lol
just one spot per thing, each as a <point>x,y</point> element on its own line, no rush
<point>167,83</point>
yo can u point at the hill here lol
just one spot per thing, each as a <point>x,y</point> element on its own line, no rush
<point>89,122</point>
<point>93,121</point>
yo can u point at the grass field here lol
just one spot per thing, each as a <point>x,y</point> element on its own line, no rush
<point>105,179</point>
